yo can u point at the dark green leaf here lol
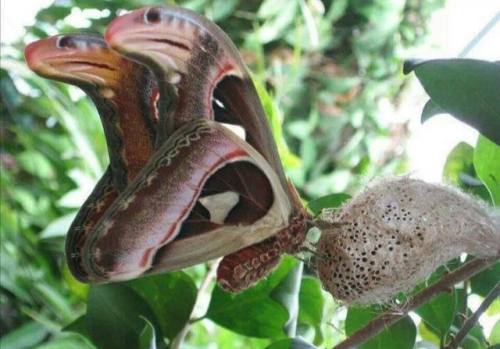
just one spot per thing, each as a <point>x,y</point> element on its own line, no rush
<point>328,201</point>
<point>114,316</point>
<point>474,339</point>
<point>147,338</point>
<point>430,109</point>
<point>253,312</point>
<point>171,297</point>
<point>79,326</point>
<point>467,89</point>
<point>483,282</point>
<point>401,335</point>
<point>439,312</point>
<point>8,91</point>
<point>487,165</point>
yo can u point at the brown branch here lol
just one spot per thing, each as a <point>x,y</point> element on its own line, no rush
<point>469,324</point>
<point>385,320</point>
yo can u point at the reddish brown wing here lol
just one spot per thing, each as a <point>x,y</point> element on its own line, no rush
<point>124,93</point>
<point>162,198</point>
<point>211,82</point>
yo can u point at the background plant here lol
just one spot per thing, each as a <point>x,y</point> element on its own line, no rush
<point>325,70</point>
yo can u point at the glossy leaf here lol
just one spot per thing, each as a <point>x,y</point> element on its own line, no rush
<point>430,109</point>
<point>287,294</point>
<point>311,304</point>
<point>401,335</point>
<point>253,312</point>
<point>115,316</point>
<point>439,312</point>
<point>487,165</point>
<point>466,88</point>
<point>79,326</point>
<point>147,338</point>
<point>171,297</point>
<point>458,163</point>
<point>483,282</point>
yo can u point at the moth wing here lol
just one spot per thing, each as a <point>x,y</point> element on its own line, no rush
<point>202,162</point>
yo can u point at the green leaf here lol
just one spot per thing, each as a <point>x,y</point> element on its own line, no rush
<point>328,201</point>
<point>171,297</point>
<point>25,336</point>
<point>494,308</point>
<point>458,162</point>
<point>274,117</point>
<point>495,334</point>
<point>36,164</point>
<point>483,282</point>
<point>487,165</point>
<point>275,26</point>
<point>401,335</point>
<point>147,338</point>
<point>79,326</point>
<point>55,299</point>
<point>115,316</point>
<point>253,312</point>
<point>67,341</point>
<point>218,10</point>
<point>287,294</point>
<point>474,339</point>
<point>427,334</point>
<point>311,305</point>
<point>467,89</point>
<point>439,312</point>
<point>430,109</point>
<point>58,227</point>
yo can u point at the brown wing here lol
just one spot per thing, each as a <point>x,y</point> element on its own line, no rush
<point>171,198</point>
<point>124,93</point>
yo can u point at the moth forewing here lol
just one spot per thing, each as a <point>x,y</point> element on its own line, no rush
<point>227,239</point>
<point>129,239</point>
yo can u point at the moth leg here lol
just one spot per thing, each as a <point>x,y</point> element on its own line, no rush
<point>240,270</point>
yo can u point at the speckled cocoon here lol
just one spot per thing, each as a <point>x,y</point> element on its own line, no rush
<point>394,234</point>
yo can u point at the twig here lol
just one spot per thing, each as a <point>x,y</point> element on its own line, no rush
<point>443,285</point>
<point>467,326</point>
<point>209,276</point>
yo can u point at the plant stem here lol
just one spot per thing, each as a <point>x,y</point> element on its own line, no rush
<point>470,322</point>
<point>443,285</point>
<point>199,302</point>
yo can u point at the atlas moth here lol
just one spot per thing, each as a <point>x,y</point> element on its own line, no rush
<point>201,192</point>
<point>182,188</point>
<point>397,232</point>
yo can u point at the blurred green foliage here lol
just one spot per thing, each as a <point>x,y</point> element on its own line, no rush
<point>330,68</point>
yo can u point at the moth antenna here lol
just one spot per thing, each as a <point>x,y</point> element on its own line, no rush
<point>305,248</point>
<point>303,260</point>
<point>329,227</point>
